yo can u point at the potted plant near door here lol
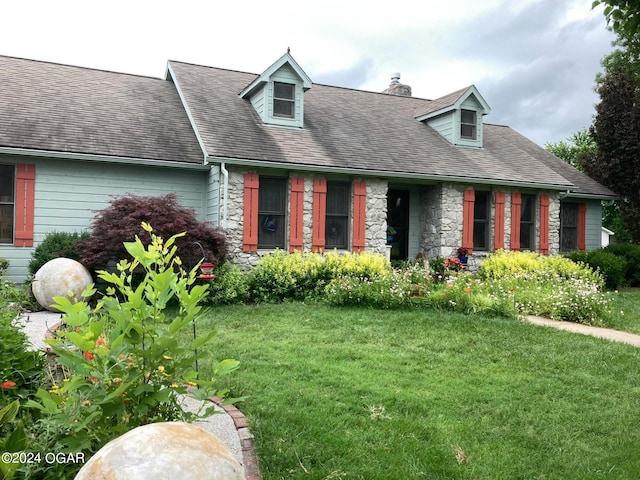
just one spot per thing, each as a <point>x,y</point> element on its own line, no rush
<point>463,255</point>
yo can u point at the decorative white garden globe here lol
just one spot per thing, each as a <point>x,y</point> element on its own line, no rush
<point>167,450</point>
<point>57,278</point>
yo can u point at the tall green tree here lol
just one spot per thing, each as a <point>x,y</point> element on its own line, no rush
<point>616,131</point>
<point>581,143</point>
<point>581,147</point>
<point>623,18</point>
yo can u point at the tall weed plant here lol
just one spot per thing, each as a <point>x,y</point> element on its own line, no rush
<point>126,366</point>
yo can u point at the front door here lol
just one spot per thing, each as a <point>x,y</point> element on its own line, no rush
<point>398,223</point>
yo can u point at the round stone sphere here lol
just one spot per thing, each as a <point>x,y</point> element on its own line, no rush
<point>57,278</point>
<point>168,450</point>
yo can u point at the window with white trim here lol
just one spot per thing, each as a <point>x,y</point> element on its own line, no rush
<point>284,102</point>
<point>468,124</point>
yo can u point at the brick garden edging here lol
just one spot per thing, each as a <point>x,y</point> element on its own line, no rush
<point>249,458</point>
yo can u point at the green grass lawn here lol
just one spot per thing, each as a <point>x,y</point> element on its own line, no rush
<point>368,394</point>
<point>626,310</point>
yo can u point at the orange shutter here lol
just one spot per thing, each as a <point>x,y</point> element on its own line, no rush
<point>467,219</point>
<point>359,216</point>
<point>544,224</point>
<point>296,218</point>
<point>516,213</point>
<point>319,214</point>
<point>25,204</point>
<point>250,227</point>
<point>582,226</point>
<point>498,234</point>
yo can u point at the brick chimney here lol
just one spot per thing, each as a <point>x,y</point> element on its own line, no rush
<point>397,88</point>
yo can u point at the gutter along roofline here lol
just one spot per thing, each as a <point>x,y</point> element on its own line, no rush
<point>383,173</point>
<point>90,157</point>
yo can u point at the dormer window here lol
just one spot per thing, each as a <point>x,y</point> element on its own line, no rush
<point>277,94</point>
<point>284,102</point>
<point>468,124</point>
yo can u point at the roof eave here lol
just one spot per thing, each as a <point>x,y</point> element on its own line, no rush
<point>102,158</point>
<point>383,173</point>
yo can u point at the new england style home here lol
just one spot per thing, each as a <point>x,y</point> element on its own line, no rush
<point>280,162</point>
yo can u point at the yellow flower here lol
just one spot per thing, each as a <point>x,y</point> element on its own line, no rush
<point>193,384</point>
<point>86,403</point>
<point>161,369</point>
<point>174,385</point>
<point>166,357</point>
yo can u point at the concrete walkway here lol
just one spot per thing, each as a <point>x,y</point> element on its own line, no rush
<point>606,333</point>
<point>230,426</point>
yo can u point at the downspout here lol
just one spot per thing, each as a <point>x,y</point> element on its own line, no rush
<point>225,190</point>
<point>564,195</point>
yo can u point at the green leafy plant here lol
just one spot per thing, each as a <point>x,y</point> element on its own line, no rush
<point>126,365</point>
<point>4,266</point>
<point>12,435</point>
<point>231,286</point>
<point>301,276</point>
<point>55,245</point>
<point>631,253</point>
<point>610,266</point>
<point>551,286</point>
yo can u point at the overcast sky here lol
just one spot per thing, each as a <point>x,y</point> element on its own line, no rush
<point>534,61</point>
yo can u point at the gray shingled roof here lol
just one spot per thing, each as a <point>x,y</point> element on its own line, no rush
<point>363,131</point>
<point>440,103</point>
<point>52,107</point>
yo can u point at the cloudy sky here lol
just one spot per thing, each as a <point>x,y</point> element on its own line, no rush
<point>534,61</point>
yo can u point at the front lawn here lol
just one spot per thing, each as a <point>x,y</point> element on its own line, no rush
<point>369,394</point>
<point>625,307</point>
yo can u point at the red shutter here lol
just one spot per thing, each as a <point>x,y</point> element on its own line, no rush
<point>467,219</point>
<point>582,226</point>
<point>498,233</point>
<point>250,227</point>
<point>296,218</point>
<point>544,224</point>
<point>359,216</point>
<point>516,213</point>
<point>25,204</point>
<point>319,214</point>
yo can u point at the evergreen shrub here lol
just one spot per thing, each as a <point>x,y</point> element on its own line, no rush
<point>631,253</point>
<point>612,267</point>
<point>55,245</point>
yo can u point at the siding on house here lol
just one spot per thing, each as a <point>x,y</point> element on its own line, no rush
<point>593,231</point>
<point>286,75</point>
<point>443,125</point>
<point>68,192</point>
<point>212,209</point>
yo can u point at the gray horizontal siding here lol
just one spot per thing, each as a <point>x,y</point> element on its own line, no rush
<point>593,233</point>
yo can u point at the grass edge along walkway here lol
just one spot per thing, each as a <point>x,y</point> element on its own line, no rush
<point>599,332</point>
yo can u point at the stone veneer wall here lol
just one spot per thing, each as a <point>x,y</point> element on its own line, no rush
<point>375,220</point>
<point>441,218</point>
